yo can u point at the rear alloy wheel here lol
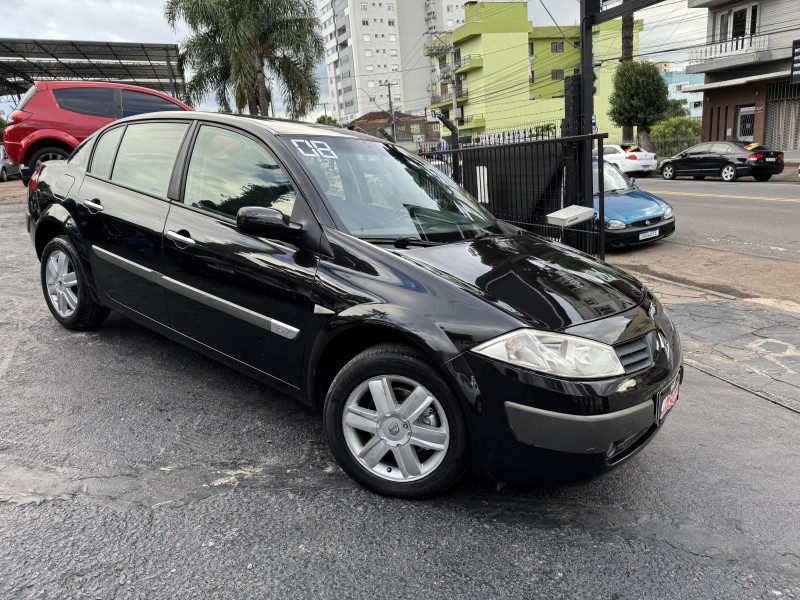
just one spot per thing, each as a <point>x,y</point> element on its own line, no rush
<point>699,177</point>
<point>763,177</point>
<point>65,288</point>
<point>394,425</point>
<point>728,173</point>
<point>668,172</point>
<point>45,154</point>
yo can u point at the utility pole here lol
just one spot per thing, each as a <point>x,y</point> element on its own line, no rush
<point>389,85</point>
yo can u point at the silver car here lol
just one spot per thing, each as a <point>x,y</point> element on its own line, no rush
<point>7,168</point>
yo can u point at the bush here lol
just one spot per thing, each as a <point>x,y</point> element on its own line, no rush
<point>677,127</point>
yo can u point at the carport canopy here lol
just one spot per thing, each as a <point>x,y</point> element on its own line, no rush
<point>153,66</point>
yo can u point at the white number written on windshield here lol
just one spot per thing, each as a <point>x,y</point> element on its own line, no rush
<point>314,148</point>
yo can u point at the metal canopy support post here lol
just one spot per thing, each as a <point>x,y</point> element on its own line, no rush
<point>589,10</point>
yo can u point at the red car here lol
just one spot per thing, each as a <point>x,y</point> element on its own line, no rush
<point>53,117</point>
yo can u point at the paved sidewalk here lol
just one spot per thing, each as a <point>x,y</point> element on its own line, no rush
<point>751,343</point>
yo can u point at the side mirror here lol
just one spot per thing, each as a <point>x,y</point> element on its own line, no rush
<point>267,222</point>
<point>24,174</point>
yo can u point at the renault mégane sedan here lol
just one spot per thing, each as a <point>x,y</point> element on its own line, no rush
<point>350,274</point>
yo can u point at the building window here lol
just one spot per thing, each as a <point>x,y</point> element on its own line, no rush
<point>449,8</point>
<point>367,52</point>
<point>392,37</point>
<point>365,22</point>
<point>393,52</point>
<point>415,128</point>
<point>736,23</point>
<point>391,22</point>
<point>395,67</point>
<point>556,46</point>
<point>557,74</point>
<point>363,6</point>
<point>370,68</point>
<point>366,37</point>
<point>370,84</point>
<point>390,7</point>
<point>449,22</point>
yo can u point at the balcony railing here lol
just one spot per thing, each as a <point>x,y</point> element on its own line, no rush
<point>466,60</point>
<point>739,45</point>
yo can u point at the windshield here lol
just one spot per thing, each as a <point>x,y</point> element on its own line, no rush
<point>382,191</point>
<point>613,179</point>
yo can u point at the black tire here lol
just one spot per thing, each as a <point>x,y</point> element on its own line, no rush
<point>86,312</point>
<point>763,177</point>
<point>728,173</point>
<point>699,177</point>
<point>45,154</point>
<point>668,171</point>
<point>3,175</point>
<point>381,363</point>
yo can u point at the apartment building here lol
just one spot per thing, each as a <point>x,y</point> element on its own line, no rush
<point>374,52</point>
<point>508,75</point>
<point>746,61</point>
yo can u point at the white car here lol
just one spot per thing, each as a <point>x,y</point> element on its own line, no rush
<point>630,159</point>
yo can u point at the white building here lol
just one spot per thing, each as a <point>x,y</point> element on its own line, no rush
<point>374,50</point>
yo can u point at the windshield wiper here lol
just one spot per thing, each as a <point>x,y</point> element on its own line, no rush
<point>402,242</point>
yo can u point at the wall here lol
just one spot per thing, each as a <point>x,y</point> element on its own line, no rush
<point>721,106</point>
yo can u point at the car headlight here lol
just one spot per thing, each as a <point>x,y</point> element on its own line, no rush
<point>554,353</point>
<point>667,213</point>
<point>614,224</point>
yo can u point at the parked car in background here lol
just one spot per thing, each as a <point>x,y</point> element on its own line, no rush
<point>729,160</point>
<point>430,334</point>
<point>7,168</point>
<point>632,216</point>
<point>53,117</point>
<point>630,159</point>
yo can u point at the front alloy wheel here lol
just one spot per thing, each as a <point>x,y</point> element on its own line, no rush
<point>394,425</point>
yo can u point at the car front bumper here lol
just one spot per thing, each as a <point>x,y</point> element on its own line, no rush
<point>631,236</point>
<point>531,428</point>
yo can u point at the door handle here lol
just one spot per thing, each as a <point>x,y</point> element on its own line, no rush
<point>180,239</point>
<point>93,204</point>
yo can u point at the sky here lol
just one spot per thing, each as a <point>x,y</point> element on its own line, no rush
<point>668,25</point>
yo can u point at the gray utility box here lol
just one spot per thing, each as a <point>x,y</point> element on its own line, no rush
<point>570,215</point>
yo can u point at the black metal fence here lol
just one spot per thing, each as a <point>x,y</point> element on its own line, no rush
<point>521,183</point>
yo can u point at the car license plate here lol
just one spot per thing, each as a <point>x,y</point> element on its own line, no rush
<point>770,160</point>
<point>666,400</point>
<point>648,168</point>
<point>646,235</point>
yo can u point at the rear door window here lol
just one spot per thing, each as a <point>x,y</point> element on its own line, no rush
<point>137,103</point>
<point>720,149</point>
<point>146,156</point>
<point>104,152</point>
<point>96,102</point>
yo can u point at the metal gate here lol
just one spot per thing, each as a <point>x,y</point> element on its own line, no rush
<point>783,117</point>
<point>521,183</point>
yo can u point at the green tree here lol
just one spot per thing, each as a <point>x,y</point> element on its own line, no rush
<point>675,108</point>
<point>639,98</point>
<point>677,128</point>
<point>2,126</point>
<point>327,120</point>
<point>235,43</point>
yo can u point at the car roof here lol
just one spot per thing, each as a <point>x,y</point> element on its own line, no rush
<point>279,127</point>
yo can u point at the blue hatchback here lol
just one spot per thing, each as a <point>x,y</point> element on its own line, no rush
<point>632,215</point>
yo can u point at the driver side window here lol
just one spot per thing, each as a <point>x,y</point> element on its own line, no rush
<point>228,170</point>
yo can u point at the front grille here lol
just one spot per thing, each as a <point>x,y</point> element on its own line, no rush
<point>635,355</point>
<point>653,221</point>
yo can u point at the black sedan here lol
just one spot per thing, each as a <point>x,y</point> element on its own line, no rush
<point>728,160</point>
<point>352,275</point>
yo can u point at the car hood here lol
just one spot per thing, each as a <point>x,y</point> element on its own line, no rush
<point>547,285</point>
<point>632,205</point>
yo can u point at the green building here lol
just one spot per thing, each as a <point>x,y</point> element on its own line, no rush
<point>508,75</point>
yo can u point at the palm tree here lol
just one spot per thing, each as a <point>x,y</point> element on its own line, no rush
<point>236,42</point>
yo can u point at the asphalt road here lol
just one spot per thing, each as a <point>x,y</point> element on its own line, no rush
<point>131,467</point>
<point>741,238</point>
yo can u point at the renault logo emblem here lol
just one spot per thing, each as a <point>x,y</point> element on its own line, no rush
<point>647,222</point>
<point>394,428</point>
